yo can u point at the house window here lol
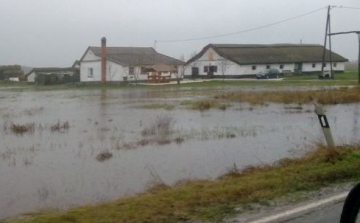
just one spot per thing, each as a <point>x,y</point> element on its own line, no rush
<point>210,69</point>
<point>143,71</point>
<point>131,70</point>
<point>267,66</point>
<point>281,66</point>
<point>253,67</point>
<point>90,72</point>
<point>213,69</point>
<point>335,64</point>
<point>313,65</point>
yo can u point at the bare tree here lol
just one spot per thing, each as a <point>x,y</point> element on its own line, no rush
<point>182,58</point>
<point>179,74</point>
<point>111,72</point>
<point>136,74</point>
<point>180,71</point>
<point>193,64</point>
<point>224,65</point>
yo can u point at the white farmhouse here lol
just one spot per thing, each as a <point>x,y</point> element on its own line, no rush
<point>116,64</point>
<point>242,60</point>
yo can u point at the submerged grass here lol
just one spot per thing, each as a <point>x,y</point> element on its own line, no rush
<point>158,106</point>
<point>20,129</point>
<point>203,105</point>
<point>212,200</point>
<point>60,126</point>
<point>334,96</point>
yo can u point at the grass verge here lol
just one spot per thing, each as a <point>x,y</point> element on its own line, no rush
<point>334,96</point>
<point>212,200</point>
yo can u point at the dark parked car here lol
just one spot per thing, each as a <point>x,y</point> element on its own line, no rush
<point>270,73</point>
<point>326,75</point>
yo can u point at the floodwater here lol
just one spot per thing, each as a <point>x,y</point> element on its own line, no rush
<point>47,169</point>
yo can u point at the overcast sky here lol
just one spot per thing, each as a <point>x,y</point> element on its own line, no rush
<point>57,32</point>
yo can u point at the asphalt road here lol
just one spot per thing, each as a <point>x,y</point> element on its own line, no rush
<point>326,214</point>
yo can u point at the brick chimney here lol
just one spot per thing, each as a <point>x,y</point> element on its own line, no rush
<point>103,60</point>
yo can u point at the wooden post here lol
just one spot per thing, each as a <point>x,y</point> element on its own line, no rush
<point>319,110</point>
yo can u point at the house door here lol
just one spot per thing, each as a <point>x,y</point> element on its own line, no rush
<point>194,71</point>
<point>298,68</point>
<point>211,70</point>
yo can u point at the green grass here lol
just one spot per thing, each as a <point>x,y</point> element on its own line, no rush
<point>347,76</point>
<point>336,96</point>
<point>306,80</point>
<point>273,83</point>
<point>212,200</point>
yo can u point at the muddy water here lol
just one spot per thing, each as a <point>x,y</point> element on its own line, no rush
<point>58,169</point>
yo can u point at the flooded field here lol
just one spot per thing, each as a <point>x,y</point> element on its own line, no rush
<point>64,148</point>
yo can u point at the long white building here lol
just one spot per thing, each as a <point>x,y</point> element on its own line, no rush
<point>239,60</point>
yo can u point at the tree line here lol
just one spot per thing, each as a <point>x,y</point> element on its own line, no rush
<point>9,71</point>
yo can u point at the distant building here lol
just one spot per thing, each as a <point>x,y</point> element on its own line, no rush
<point>53,75</point>
<point>242,60</point>
<point>116,64</point>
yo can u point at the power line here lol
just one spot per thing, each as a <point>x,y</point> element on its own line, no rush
<point>242,31</point>
<point>346,7</point>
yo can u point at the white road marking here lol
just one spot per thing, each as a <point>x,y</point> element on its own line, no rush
<point>301,209</point>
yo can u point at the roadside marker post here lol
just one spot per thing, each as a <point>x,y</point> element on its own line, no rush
<point>319,110</point>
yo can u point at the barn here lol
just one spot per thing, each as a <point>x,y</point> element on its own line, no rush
<point>247,60</point>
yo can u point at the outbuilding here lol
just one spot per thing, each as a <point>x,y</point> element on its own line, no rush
<point>53,75</point>
<point>247,60</point>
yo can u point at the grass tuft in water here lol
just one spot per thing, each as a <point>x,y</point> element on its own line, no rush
<point>101,157</point>
<point>60,126</point>
<point>20,128</point>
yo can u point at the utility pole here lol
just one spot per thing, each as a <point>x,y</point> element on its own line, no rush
<point>330,56</point>
<point>325,40</point>
<point>351,32</point>
<point>327,32</point>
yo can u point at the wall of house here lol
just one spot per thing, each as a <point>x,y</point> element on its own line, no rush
<point>90,56</point>
<point>137,74</point>
<point>211,58</point>
<point>307,67</point>
<point>114,71</point>
<point>247,69</point>
<point>31,77</point>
